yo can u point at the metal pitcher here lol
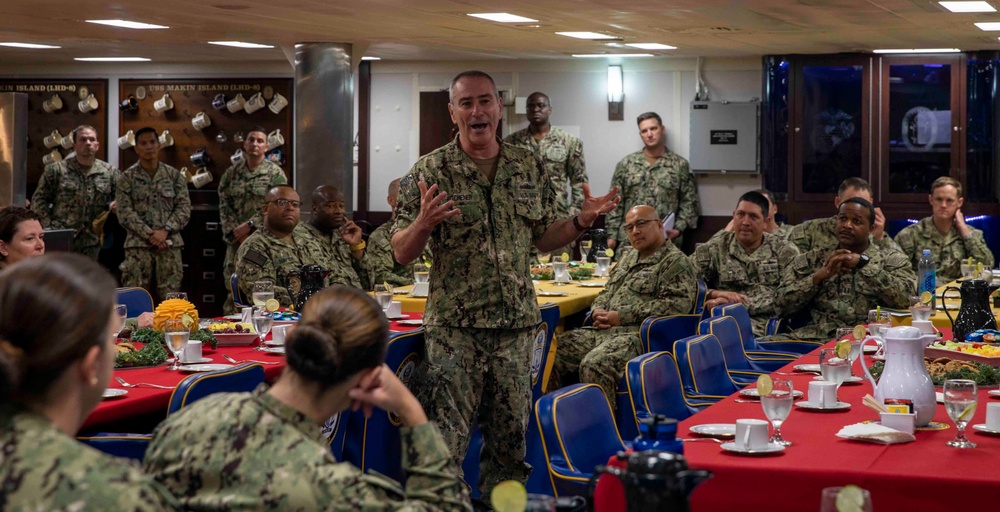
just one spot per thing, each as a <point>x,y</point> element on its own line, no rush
<point>305,282</point>
<point>975,312</point>
<point>657,480</point>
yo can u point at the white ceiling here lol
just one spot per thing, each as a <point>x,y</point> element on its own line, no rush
<point>440,29</point>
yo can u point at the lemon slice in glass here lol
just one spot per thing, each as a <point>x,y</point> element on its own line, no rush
<point>843,348</point>
<point>926,298</point>
<point>187,320</point>
<point>967,412</point>
<point>610,252</point>
<point>764,385</point>
<point>272,305</point>
<point>850,498</point>
<point>564,257</point>
<point>859,332</point>
<point>509,496</point>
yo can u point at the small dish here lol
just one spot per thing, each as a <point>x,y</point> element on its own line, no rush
<point>198,368</point>
<point>273,350</point>
<point>771,448</point>
<point>402,316</point>
<point>550,294</point>
<point>114,393</point>
<point>590,284</point>
<point>719,430</point>
<point>806,368</point>
<point>272,343</point>
<point>984,429</point>
<point>994,392</point>
<point>839,406</point>
<point>753,393</point>
<point>870,349</point>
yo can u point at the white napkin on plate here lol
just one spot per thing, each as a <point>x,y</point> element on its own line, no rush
<point>873,433</point>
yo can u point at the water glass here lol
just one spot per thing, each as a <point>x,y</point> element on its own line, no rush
<point>603,263</point>
<point>777,405</point>
<point>421,273</point>
<point>176,295</point>
<point>960,401</point>
<point>833,368</point>
<point>847,333</point>
<point>919,311</point>
<point>262,321</point>
<point>829,503</point>
<point>585,246</point>
<point>262,292</point>
<point>383,295</point>
<point>540,503</point>
<point>121,311</point>
<point>968,269</point>
<point>544,258</point>
<point>560,273</point>
<point>176,334</point>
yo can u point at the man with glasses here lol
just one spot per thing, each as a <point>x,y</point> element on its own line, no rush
<point>241,192</point>
<point>279,247</point>
<point>340,238</point>
<point>653,279</point>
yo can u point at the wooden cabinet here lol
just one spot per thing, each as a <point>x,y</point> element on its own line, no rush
<point>203,255</point>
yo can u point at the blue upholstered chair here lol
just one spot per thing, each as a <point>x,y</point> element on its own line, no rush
<point>699,303</point>
<point>751,344</point>
<point>129,446</point>
<point>744,367</point>
<point>136,300</point>
<point>652,385</point>
<point>239,299</point>
<point>658,333</point>
<point>703,370</point>
<point>578,433</point>
<point>239,379</point>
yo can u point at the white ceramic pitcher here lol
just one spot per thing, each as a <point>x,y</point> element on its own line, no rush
<point>905,375</point>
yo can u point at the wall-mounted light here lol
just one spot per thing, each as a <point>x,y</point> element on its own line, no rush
<point>616,94</point>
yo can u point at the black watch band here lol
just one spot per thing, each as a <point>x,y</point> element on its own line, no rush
<point>862,261</point>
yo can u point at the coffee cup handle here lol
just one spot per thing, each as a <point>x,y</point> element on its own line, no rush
<point>746,438</point>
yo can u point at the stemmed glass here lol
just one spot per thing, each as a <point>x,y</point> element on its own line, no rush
<point>585,246</point>
<point>383,295</point>
<point>777,404</point>
<point>121,311</point>
<point>262,292</point>
<point>847,333</point>
<point>603,263</point>
<point>960,401</point>
<point>262,321</point>
<point>833,368</point>
<point>544,258</point>
<point>176,335</point>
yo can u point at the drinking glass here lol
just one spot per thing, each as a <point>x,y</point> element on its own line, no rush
<point>878,324</point>
<point>540,503</point>
<point>121,311</point>
<point>421,274</point>
<point>585,246</point>
<point>262,321</point>
<point>847,333</point>
<point>968,269</point>
<point>833,368</point>
<point>777,404</point>
<point>176,334</point>
<point>829,503</point>
<point>383,295</point>
<point>544,257</point>
<point>960,401</point>
<point>919,311</point>
<point>603,263</point>
<point>262,291</point>
<point>176,295</point>
<point>560,273</point>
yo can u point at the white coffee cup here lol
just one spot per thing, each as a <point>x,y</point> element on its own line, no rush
<point>751,434</point>
<point>395,309</point>
<point>201,178</point>
<point>420,289</point>
<point>238,157</point>
<point>925,326</point>
<point>166,140</point>
<point>993,415</point>
<point>278,102</point>
<point>126,141</point>
<point>192,353</point>
<point>52,104</point>
<point>275,139</point>
<point>53,157</point>
<point>255,103</point>
<point>246,315</point>
<point>822,393</point>
<point>279,332</point>
<point>201,121</point>
<point>52,140</point>
<point>903,422</point>
<point>236,104</point>
<point>186,174</point>
<point>163,104</point>
<point>88,104</point>
<point>66,142</point>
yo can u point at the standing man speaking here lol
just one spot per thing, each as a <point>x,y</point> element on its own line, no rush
<point>481,204</point>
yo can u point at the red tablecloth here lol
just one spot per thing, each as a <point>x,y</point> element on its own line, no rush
<point>145,400</point>
<point>923,475</point>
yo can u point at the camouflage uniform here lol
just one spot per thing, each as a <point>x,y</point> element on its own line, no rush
<point>724,265</point>
<point>344,268</point>
<point>146,204</point>
<point>842,300</point>
<point>264,256</point>
<point>41,468</point>
<point>822,234</point>
<point>561,155</point>
<point>948,250</point>
<point>241,196</point>
<point>250,451</point>
<point>481,310</point>
<point>382,260</point>
<point>667,185</point>
<point>664,283</point>
<point>71,197</point>
<point>784,231</point>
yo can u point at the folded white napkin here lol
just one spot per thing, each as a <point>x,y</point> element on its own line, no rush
<point>873,433</point>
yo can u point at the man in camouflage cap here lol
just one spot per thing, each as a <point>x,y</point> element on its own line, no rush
<point>381,260</point>
<point>241,194</point>
<point>153,206</point>
<point>838,287</point>
<point>75,191</point>
<point>653,279</point>
<point>945,233</point>
<point>340,238</point>
<point>278,249</point>
<point>744,265</point>
<point>658,177</point>
<point>481,204</point>
<point>822,233</point>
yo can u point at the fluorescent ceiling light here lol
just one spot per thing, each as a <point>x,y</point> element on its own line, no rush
<point>989,26</point>
<point>503,17</point>
<point>30,45</point>
<point>240,44</point>
<point>586,35</point>
<point>111,59</point>
<point>651,46</point>
<point>127,24</point>
<point>371,58</point>
<point>918,50</point>
<point>968,6</point>
<point>611,55</point>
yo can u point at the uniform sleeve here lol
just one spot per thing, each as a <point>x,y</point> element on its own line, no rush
<point>44,195</point>
<point>181,214</point>
<point>227,206</point>
<point>797,289</point>
<point>253,263</point>
<point>762,297</point>
<point>892,279</point>
<point>677,290</point>
<point>800,237</point>
<point>613,222</point>
<point>407,203</point>
<point>548,197</point>
<point>689,208</point>
<point>577,171</point>
<point>907,243</point>
<point>888,244</point>
<point>976,247</point>
<point>381,261</point>
<point>705,264</point>
<point>127,216</point>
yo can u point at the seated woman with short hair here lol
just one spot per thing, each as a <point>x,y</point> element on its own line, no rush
<point>21,235</point>
<point>263,450</point>
<point>57,353</point>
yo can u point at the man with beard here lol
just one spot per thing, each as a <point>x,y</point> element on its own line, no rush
<point>838,287</point>
<point>340,238</point>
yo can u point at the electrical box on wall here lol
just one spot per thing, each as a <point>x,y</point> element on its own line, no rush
<point>724,136</point>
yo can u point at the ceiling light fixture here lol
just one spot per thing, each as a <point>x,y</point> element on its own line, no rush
<point>240,44</point>
<point>127,24</point>
<point>587,35</point>
<point>111,59</point>
<point>611,55</point>
<point>503,17</point>
<point>988,26</point>
<point>371,58</point>
<point>968,6</point>
<point>32,46</point>
<point>651,46</point>
<point>917,50</point>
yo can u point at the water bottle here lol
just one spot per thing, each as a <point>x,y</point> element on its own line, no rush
<point>658,432</point>
<point>926,276</point>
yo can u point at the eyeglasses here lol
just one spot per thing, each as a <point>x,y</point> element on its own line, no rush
<point>284,203</point>
<point>639,224</point>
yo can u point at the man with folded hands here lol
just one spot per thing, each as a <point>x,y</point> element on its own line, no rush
<point>654,279</point>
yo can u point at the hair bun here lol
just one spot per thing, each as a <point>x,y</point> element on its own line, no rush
<point>312,352</point>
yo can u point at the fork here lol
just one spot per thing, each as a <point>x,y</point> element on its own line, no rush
<point>703,439</point>
<point>231,360</point>
<point>127,385</point>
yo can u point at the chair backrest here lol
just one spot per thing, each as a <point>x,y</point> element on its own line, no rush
<point>136,300</point>
<point>702,366</point>
<point>658,333</point>
<point>240,379</point>
<point>541,350</point>
<point>699,303</point>
<point>738,312</point>
<point>239,299</point>
<point>653,386</point>
<point>725,330</point>
<point>578,433</point>
<point>129,446</point>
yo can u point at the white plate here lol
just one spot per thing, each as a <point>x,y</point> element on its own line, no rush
<point>273,350</point>
<point>551,294</point>
<point>849,380</point>
<point>721,430</point>
<point>591,284</point>
<point>236,339</point>
<point>114,393</point>
<point>197,368</point>
<point>416,321</point>
<point>771,448</point>
<point>272,343</point>
<point>753,393</point>
<point>983,428</point>
<point>400,317</point>
<point>816,407</point>
<point>806,368</point>
<point>994,392</point>
<point>200,361</point>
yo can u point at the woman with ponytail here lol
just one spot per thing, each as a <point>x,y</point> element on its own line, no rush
<point>263,450</point>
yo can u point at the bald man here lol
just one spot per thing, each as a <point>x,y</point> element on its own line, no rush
<point>340,238</point>
<point>381,260</point>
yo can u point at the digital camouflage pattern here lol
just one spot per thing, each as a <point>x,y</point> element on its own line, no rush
<point>249,451</point>
<point>382,261</point>
<point>842,300</point>
<point>724,265</point>
<point>140,266</point>
<point>822,234</point>
<point>663,283</point>
<point>948,250</point>
<point>344,268</point>
<point>784,231</point>
<point>265,256</point>
<point>667,185</point>
<point>71,197</point>
<point>41,468</point>
<point>561,155</point>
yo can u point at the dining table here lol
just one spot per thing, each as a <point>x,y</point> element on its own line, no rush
<point>922,475</point>
<point>949,300</point>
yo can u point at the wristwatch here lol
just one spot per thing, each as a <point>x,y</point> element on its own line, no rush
<point>169,230</point>
<point>250,223</point>
<point>862,261</point>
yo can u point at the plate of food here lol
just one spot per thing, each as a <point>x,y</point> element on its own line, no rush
<point>233,333</point>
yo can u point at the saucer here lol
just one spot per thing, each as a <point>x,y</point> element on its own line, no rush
<point>590,284</point>
<point>720,430</point>
<point>980,428</point>
<point>753,393</point>
<point>994,392</point>
<point>197,368</point>
<point>806,368</point>
<point>115,393</point>
<point>273,350</point>
<point>272,343</point>
<point>870,349</point>
<point>839,406</point>
<point>402,316</point>
<point>417,321</point>
<point>850,380</point>
<point>199,361</point>
<point>771,448</point>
